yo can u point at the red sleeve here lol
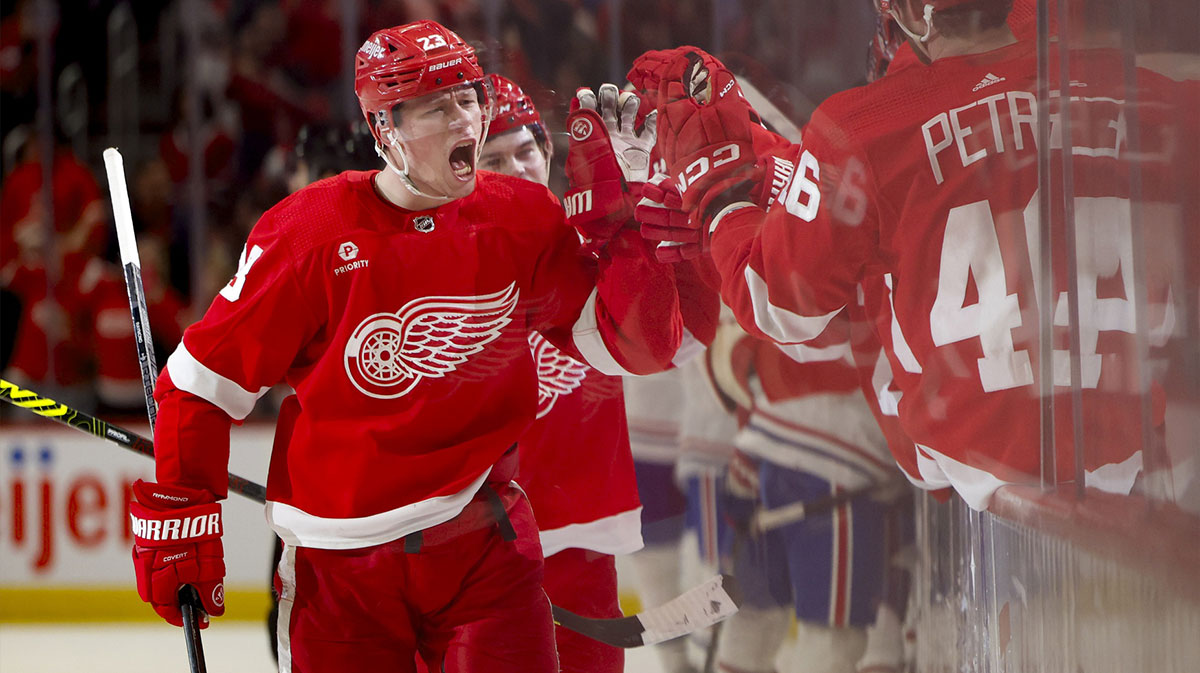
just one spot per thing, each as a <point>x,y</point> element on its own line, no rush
<point>245,343</point>
<point>699,301</point>
<point>191,439</point>
<point>789,269</point>
<point>619,314</point>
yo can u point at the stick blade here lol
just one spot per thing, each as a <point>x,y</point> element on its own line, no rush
<point>698,608</point>
<point>713,601</point>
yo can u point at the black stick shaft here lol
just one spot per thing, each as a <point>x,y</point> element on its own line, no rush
<point>142,337</point>
<point>781,516</point>
<point>189,607</point>
<point>127,243</point>
<point>618,632</point>
<point>48,408</point>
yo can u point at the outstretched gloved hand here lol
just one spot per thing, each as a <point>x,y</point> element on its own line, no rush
<point>647,73</point>
<point>619,111</point>
<point>715,150</point>
<point>607,160</point>
<point>705,130</point>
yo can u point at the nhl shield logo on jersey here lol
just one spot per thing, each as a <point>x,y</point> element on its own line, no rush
<point>423,224</point>
<point>390,353</point>
<point>558,373</point>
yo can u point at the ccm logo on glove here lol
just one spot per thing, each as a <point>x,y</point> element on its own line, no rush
<point>698,168</point>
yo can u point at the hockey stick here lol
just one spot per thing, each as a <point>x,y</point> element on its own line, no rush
<point>770,519</point>
<point>131,264</point>
<point>771,114</point>
<point>684,614</point>
<point>189,601</point>
<point>697,608</point>
<point>44,406</point>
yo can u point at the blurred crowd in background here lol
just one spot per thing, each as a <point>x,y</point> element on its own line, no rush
<point>205,99</point>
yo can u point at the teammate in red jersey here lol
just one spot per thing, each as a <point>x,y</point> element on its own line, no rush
<point>575,464</point>
<point>927,180</point>
<point>398,305</point>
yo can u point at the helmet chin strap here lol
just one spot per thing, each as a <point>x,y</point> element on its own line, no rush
<point>405,180</point>
<point>922,39</point>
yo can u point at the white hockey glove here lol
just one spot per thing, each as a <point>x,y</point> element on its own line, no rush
<point>619,111</point>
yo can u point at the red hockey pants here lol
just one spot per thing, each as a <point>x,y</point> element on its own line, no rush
<point>584,582</point>
<point>468,600</point>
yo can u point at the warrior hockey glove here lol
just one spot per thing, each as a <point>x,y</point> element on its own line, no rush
<point>177,541</point>
<point>607,160</point>
<point>705,132</point>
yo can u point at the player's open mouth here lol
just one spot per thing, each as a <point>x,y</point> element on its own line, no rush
<point>462,160</point>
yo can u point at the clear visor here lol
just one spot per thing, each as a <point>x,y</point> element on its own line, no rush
<point>464,110</point>
<point>434,141</point>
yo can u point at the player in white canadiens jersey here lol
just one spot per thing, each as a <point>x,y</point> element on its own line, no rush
<point>398,305</point>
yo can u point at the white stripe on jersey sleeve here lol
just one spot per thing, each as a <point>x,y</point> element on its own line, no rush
<point>803,353</point>
<point>589,342</point>
<point>191,376</point>
<point>738,205</point>
<point>780,324</point>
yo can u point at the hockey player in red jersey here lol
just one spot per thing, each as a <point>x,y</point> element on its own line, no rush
<point>926,181</point>
<point>518,143</point>
<point>397,304</point>
<point>575,464</point>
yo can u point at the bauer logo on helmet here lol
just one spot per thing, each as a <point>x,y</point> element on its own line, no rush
<point>447,64</point>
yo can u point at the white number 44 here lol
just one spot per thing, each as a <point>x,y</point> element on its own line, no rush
<point>971,249</point>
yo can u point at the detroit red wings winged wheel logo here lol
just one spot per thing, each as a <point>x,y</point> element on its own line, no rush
<point>558,373</point>
<point>390,353</point>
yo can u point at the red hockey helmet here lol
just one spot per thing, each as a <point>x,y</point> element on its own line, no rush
<point>887,8</point>
<point>884,45</point>
<point>402,63</point>
<point>886,5</point>
<point>513,109</point>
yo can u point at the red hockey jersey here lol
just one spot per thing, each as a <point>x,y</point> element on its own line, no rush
<point>576,466</point>
<point>926,181</point>
<point>405,337</point>
<point>576,460</point>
